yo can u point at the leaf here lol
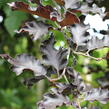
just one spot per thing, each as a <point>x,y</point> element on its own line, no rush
<point>96,43</point>
<point>70,17</point>
<point>85,41</point>
<point>30,81</point>
<point>78,31</point>
<point>89,1</point>
<point>35,29</point>
<point>55,16</point>
<point>85,9</point>
<point>41,10</point>
<point>76,79</point>
<point>73,4</point>
<point>53,57</point>
<point>61,2</point>
<point>53,100</point>
<point>14,21</point>
<point>104,81</point>
<point>101,95</point>
<point>67,89</point>
<point>25,61</point>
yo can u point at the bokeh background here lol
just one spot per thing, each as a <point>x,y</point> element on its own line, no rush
<point>13,93</point>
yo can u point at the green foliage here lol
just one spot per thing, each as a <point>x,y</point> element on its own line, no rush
<point>14,20</point>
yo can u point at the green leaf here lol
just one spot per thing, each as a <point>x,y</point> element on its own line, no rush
<point>4,2</point>
<point>14,21</point>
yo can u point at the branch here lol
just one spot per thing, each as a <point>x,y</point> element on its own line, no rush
<point>87,55</point>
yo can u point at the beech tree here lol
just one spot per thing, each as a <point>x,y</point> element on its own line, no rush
<point>57,61</point>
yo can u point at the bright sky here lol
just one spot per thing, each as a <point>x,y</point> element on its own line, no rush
<point>1,19</point>
<point>95,21</point>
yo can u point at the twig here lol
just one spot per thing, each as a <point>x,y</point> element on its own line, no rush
<point>56,79</point>
<point>78,104</point>
<point>86,55</point>
<point>66,78</point>
<point>69,50</point>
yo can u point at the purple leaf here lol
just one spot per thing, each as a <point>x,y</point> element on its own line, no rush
<point>53,57</point>
<point>53,100</point>
<point>25,61</point>
<point>101,95</point>
<point>35,29</point>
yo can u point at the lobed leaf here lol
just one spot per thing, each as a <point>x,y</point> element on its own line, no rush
<point>53,100</point>
<point>34,29</point>
<point>78,32</point>
<point>30,81</point>
<point>25,61</point>
<point>85,41</point>
<point>101,95</point>
<point>85,9</point>
<point>53,57</point>
<point>67,88</point>
<point>73,4</point>
<point>96,43</point>
<point>76,79</point>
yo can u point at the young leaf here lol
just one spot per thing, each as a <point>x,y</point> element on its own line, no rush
<point>53,57</point>
<point>25,61</point>
<point>101,95</point>
<point>53,100</point>
<point>35,29</point>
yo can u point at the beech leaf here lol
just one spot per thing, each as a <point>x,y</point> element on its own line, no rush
<point>53,57</point>
<point>53,100</point>
<point>30,81</point>
<point>101,95</point>
<point>34,29</point>
<point>85,9</point>
<point>70,17</point>
<point>73,4</point>
<point>67,89</point>
<point>78,31</point>
<point>25,61</point>
<point>76,79</point>
<point>85,41</point>
<point>96,43</point>
<point>61,2</point>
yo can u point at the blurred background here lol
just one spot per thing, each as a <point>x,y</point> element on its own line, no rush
<point>14,94</point>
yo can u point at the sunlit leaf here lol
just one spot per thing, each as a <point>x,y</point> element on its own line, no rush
<point>25,61</point>
<point>53,57</point>
<point>35,29</point>
<point>72,4</point>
